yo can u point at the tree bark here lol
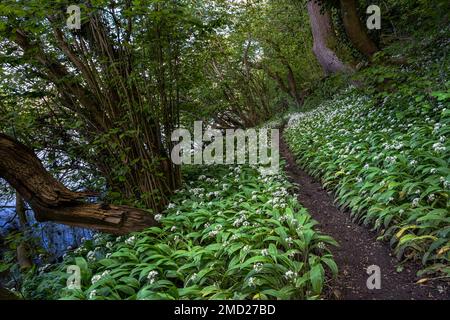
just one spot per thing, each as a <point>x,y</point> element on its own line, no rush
<point>95,77</point>
<point>355,29</point>
<point>52,201</point>
<point>323,35</point>
<point>294,92</point>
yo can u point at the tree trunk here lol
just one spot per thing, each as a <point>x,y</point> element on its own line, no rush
<point>52,201</point>
<point>355,29</point>
<point>323,35</point>
<point>293,87</point>
<point>97,80</point>
<point>23,249</point>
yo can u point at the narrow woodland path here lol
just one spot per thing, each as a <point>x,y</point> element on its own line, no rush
<point>358,248</point>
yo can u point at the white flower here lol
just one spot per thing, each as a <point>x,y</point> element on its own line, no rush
<point>433,170</point>
<point>366,166</point>
<point>44,268</point>
<point>251,282</point>
<point>431,197</point>
<point>289,275</point>
<point>415,202</point>
<point>171,206</point>
<point>158,217</point>
<point>213,233</point>
<point>439,147</point>
<point>96,278</point>
<point>152,275</point>
<point>92,294</point>
<point>109,245</point>
<point>391,159</point>
<point>130,241</point>
<point>239,221</point>
<point>91,255</point>
<point>173,229</point>
<point>105,273</point>
<point>192,278</point>
<point>264,252</point>
<point>258,266</point>
<point>321,245</point>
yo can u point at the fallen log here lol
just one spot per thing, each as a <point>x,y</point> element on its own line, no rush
<point>52,201</point>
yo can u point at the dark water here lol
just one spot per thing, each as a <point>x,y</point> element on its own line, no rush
<point>54,238</point>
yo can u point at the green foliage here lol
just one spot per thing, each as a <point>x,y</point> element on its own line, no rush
<point>384,150</point>
<point>228,234</point>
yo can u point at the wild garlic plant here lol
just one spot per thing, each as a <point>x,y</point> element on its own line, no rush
<point>386,155</point>
<point>229,233</point>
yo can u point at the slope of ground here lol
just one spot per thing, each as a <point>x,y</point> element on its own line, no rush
<point>383,149</point>
<point>358,249</point>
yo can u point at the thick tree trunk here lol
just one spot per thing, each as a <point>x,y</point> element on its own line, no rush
<point>96,78</point>
<point>355,29</point>
<point>294,92</point>
<point>323,35</point>
<point>52,201</point>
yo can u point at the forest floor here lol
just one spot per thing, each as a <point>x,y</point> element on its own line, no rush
<point>358,248</point>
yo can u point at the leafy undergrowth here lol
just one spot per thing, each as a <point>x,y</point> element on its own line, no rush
<point>230,233</point>
<point>384,149</point>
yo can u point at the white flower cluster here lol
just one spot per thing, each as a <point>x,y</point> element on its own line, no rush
<point>171,206</point>
<point>216,231</point>
<point>290,275</point>
<point>241,220</point>
<point>96,278</point>
<point>152,276</point>
<point>439,147</point>
<point>44,268</point>
<point>131,240</point>
<point>258,267</point>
